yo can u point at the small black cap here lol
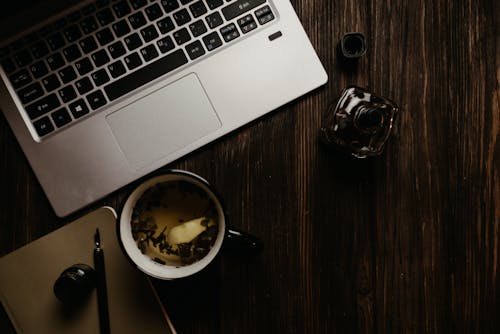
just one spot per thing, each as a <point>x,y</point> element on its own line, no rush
<point>353,45</point>
<point>75,283</point>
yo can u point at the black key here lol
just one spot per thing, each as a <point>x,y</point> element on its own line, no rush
<point>73,17</point>
<point>198,8</point>
<point>100,58</point>
<point>96,100</point>
<point>88,25</point>
<point>105,16</point>
<point>39,49</point>
<point>39,69</point>
<point>104,36</point>
<point>55,61</point>
<point>116,69</point>
<point>149,33</point>
<point>136,4</point>
<point>240,7</point>
<point>133,41</point>
<point>102,3</point>
<point>20,78</point>
<point>46,30</point>
<point>181,36</point>
<point>89,9</point>
<point>146,74</point>
<point>61,117</point>
<point>137,20</point>
<point>71,53</point>
<point>121,8</point>
<point>198,28</point>
<point>116,49</point>
<point>78,108</point>
<point>214,20</point>
<point>84,66</point>
<point>8,65</point>
<point>212,41</point>
<point>43,126</point>
<point>165,25</point>
<point>67,93</point>
<point>72,33</point>
<point>212,4</point>
<point>100,77</point>
<point>149,52</point>
<point>166,44</point>
<point>23,58</point>
<point>55,41</point>
<point>264,15</point>
<point>67,74</point>
<point>59,24</point>
<point>153,12</point>
<point>84,85</point>
<point>121,28</point>
<point>42,106</point>
<point>31,38</point>
<point>229,32</point>
<point>133,60</point>
<point>88,44</point>
<point>181,17</point>
<point>51,82</point>
<point>185,2</point>
<point>170,5</point>
<point>30,93</point>
<point>247,23</point>
<point>195,50</point>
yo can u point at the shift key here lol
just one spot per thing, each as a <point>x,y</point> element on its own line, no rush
<point>43,106</point>
<point>239,7</point>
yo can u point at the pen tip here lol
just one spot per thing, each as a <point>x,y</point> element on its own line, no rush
<point>97,238</point>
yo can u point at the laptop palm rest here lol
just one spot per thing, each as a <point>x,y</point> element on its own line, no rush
<point>164,121</point>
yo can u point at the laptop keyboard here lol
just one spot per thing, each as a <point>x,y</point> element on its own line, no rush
<point>78,64</point>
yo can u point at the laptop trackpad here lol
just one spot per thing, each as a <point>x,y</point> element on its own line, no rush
<point>164,121</point>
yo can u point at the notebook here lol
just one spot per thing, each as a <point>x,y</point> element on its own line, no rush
<point>27,276</point>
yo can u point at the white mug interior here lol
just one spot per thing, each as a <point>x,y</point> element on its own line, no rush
<point>145,263</point>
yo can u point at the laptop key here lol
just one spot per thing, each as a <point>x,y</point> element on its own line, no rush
<point>182,36</point>
<point>67,74</point>
<point>212,4</point>
<point>170,5</point>
<point>20,78</point>
<point>247,23</point>
<point>229,32</point>
<point>133,41</point>
<point>185,2</point>
<point>96,99</point>
<point>84,85</point>
<point>121,9</point>
<point>137,20</point>
<point>116,69</point>
<point>195,50</point>
<point>240,7</point>
<point>121,28</point>
<point>104,36</point>
<point>264,15</point>
<point>136,4</point>
<point>102,3</point>
<point>43,106</point>
<point>67,93</point>
<point>214,20</point>
<point>72,53</point>
<point>39,69</point>
<point>100,77</point>
<point>116,49</point>
<point>43,126</point>
<point>61,117</point>
<point>165,44</point>
<point>149,33</point>
<point>8,65</point>
<point>133,61</point>
<point>198,28</point>
<point>100,58</point>
<point>88,44</point>
<point>153,12</point>
<point>55,61</point>
<point>198,8</point>
<point>84,66</point>
<point>30,93</point>
<point>51,82</point>
<point>212,41</point>
<point>78,108</point>
<point>22,58</point>
<point>166,25</point>
<point>145,74</point>
<point>181,17</point>
<point>39,49</point>
<point>89,9</point>
<point>149,53</point>
<point>55,41</point>
<point>105,17</point>
<point>72,33</point>
<point>88,25</point>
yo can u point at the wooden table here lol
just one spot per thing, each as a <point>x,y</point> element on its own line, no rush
<point>406,242</point>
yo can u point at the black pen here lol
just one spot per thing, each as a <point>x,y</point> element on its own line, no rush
<point>102,295</point>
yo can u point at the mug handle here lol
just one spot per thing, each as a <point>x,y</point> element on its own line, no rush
<point>242,242</point>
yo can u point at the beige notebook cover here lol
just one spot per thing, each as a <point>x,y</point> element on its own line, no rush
<point>27,276</point>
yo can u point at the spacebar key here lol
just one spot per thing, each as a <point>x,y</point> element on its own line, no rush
<point>146,74</point>
<point>239,7</point>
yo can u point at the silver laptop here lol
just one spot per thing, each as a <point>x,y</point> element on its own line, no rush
<point>100,93</point>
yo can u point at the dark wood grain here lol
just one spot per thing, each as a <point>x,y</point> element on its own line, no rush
<point>407,242</point>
